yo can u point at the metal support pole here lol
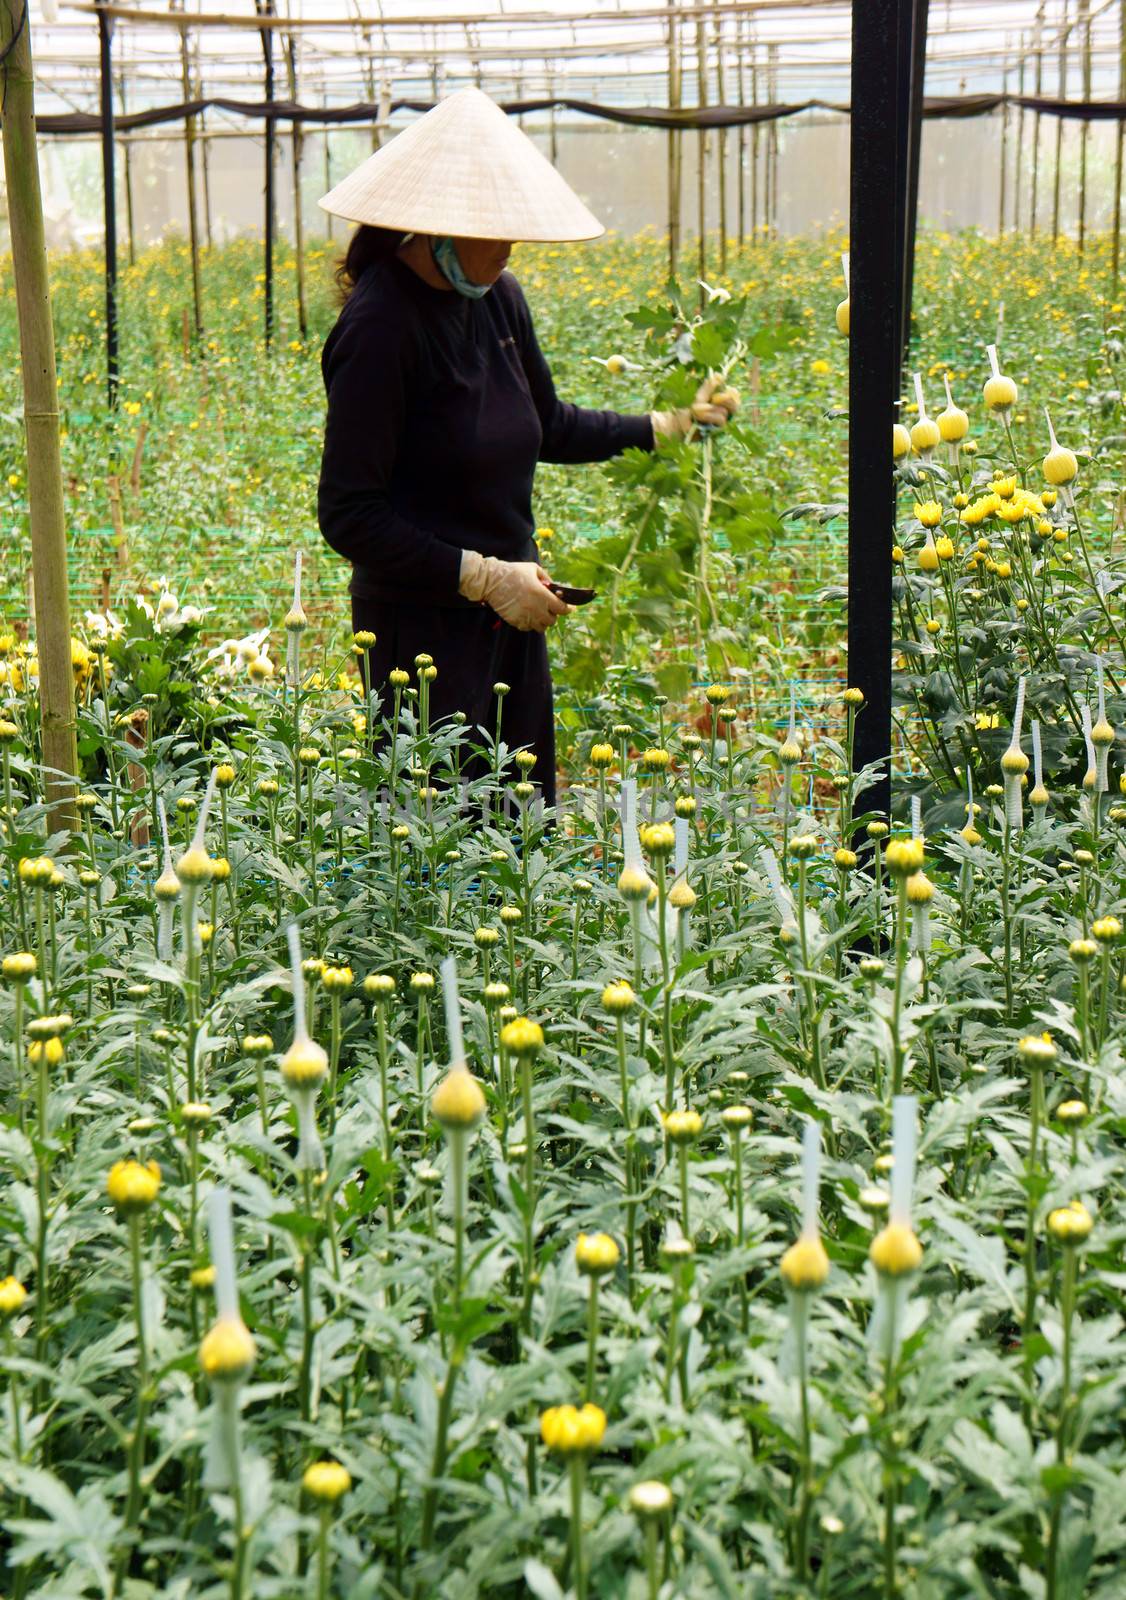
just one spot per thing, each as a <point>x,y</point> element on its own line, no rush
<point>741,152</point>
<point>721,147</point>
<point>109,203</point>
<point>673,150</point>
<point>1020,146</point>
<point>190,177</point>
<point>130,232</point>
<point>911,64</point>
<point>701,149</point>
<point>297,145</point>
<point>1059,127</point>
<point>1004,157</point>
<point>1085,127</point>
<point>755,141</point>
<point>265,8</point>
<point>880,98</point>
<point>1116,243</point>
<point>1036,118</point>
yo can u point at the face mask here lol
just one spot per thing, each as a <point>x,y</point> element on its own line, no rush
<point>450,267</point>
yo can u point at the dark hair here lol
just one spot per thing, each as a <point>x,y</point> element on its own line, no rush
<point>366,246</point>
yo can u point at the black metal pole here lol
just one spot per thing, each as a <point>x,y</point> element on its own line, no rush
<point>920,11</point>
<point>877,205</point>
<point>109,203</point>
<point>266,9</point>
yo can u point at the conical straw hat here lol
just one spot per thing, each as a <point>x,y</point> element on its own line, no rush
<point>466,170</point>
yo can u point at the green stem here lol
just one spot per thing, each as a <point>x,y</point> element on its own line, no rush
<point>591,1337</point>
<point>438,1465</point>
<point>578,1475</point>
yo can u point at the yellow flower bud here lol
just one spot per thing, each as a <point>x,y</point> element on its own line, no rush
<point>1070,1224</point>
<point>570,1430</point>
<point>895,1251</point>
<point>683,1127</point>
<point>805,1265</point>
<point>305,1064</point>
<point>459,1100</point>
<point>133,1187</point>
<point>12,1297</point>
<point>618,997</point>
<point>326,1481</point>
<point>522,1037</point>
<point>596,1254</point>
<point>226,1351</point>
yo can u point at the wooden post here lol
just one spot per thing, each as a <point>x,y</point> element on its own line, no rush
<point>673,150</point>
<point>1116,242</point>
<point>189,174</point>
<point>126,146</point>
<point>41,418</point>
<point>1059,127</point>
<point>109,202</point>
<point>297,143</point>
<point>1085,128</point>
<point>1004,151</point>
<point>721,148</point>
<point>1038,49</point>
<point>701,146</point>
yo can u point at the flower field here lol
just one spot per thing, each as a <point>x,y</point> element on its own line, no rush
<point>711,1189</point>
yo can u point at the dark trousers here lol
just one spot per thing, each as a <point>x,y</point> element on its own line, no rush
<point>472,649</point>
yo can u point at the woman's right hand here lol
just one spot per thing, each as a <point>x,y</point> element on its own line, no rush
<point>516,590</point>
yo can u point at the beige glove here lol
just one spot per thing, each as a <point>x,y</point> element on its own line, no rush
<point>714,406</point>
<point>516,590</point>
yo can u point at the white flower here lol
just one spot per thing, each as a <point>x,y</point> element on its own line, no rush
<point>233,654</point>
<point>720,294</point>
<point>103,624</point>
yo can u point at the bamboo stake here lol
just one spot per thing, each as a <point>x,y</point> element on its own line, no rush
<point>721,146</point>
<point>41,418</point>
<point>297,145</point>
<point>701,147</point>
<point>1116,243</point>
<point>189,174</point>
<point>1036,118</point>
<point>1085,128</point>
<point>1064,30</point>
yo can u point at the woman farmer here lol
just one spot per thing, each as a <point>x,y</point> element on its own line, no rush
<point>440,404</point>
